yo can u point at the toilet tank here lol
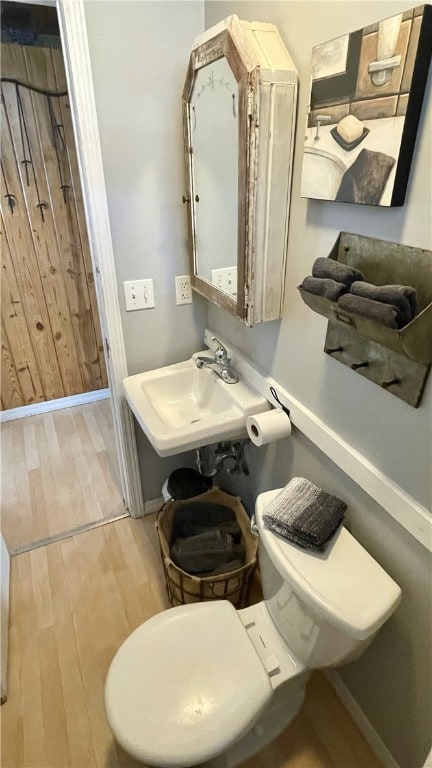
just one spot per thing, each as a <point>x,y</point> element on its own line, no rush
<point>327,606</point>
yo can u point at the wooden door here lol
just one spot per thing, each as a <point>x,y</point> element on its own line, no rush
<point>51,340</point>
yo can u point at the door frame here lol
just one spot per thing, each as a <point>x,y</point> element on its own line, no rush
<point>73,33</point>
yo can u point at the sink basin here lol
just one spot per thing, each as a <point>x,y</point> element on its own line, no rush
<point>322,174</point>
<point>181,407</point>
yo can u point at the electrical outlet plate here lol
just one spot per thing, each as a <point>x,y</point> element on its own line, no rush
<point>139,294</point>
<point>183,289</point>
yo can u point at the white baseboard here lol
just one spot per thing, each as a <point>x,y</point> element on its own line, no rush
<point>153,505</point>
<point>360,719</point>
<point>53,405</point>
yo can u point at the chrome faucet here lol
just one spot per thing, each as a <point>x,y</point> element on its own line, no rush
<point>319,120</point>
<point>220,363</point>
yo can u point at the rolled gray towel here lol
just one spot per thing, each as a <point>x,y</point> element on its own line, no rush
<point>305,514</point>
<point>336,270</point>
<point>324,286</point>
<point>404,297</point>
<point>385,314</point>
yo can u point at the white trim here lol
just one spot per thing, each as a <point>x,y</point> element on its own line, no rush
<point>80,86</point>
<point>400,505</point>
<point>68,534</point>
<point>364,725</point>
<point>53,405</point>
<point>154,505</point>
<point>4,617</point>
<point>51,3</point>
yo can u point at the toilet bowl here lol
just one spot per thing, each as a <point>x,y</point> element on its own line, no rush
<point>208,685</point>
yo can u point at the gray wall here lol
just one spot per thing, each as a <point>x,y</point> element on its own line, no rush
<point>399,441</point>
<point>139,53</point>
<point>391,682</point>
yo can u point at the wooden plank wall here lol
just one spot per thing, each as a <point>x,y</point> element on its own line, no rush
<point>51,343</point>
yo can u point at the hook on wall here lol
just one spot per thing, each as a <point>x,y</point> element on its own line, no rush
<point>387,384</point>
<point>396,359</point>
<point>392,372</point>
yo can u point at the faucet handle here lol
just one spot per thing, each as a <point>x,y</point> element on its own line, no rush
<point>220,351</point>
<point>221,355</point>
<point>319,120</point>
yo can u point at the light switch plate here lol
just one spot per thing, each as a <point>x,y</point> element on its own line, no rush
<point>225,279</point>
<point>139,294</point>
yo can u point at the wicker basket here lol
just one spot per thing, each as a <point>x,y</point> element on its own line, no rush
<point>183,587</point>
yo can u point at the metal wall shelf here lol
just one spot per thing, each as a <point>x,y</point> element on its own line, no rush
<point>396,359</point>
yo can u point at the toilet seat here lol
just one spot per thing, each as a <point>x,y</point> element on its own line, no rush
<point>166,699</point>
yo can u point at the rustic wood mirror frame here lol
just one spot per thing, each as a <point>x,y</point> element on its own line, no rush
<point>267,100</point>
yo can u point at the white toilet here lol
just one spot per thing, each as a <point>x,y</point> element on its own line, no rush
<point>208,685</point>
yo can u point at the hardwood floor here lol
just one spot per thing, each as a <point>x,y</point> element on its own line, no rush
<point>59,471</point>
<point>73,603</point>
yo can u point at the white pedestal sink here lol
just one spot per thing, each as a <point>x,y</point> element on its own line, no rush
<point>322,174</point>
<point>181,407</point>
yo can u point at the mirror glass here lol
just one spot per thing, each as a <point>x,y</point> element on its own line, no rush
<point>214,140</point>
<point>239,114</point>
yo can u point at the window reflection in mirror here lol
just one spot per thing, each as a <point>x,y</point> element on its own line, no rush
<point>214,139</point>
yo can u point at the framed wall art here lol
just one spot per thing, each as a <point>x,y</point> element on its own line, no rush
<point>367,90</point>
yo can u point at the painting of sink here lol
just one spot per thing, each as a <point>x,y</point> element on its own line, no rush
<point>322,174</point>
<point>367,89</point>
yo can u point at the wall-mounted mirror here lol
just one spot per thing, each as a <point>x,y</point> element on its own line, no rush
<point>239,108</point>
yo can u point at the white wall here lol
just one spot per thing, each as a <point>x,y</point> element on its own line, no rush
<point>391,682</point>
<point>139,53</point>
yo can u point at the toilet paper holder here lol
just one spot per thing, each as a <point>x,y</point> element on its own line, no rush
<point>275,396</point>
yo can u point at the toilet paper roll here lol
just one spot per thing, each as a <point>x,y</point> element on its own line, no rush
<point>269,426</point>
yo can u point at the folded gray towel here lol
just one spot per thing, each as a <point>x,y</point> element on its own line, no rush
<point>204,537</point>
<point>385,314</point>
<point>231,565</point>
<point>210,540</point>
<point>336,270</point>
<point>192,517</point>
<point>404,297</point>
<point>305,514</point>
<point>324,286</point>
<point>206,558</point>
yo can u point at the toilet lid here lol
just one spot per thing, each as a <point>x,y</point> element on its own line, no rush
<point>185,685</point>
